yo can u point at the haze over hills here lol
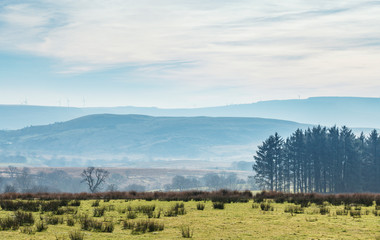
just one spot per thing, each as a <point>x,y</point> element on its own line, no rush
<point>142,138</point>
<point>351,111</point>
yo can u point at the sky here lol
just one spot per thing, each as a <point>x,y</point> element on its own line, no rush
<point>185,54</point>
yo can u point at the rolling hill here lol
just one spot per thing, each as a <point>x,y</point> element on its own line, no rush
<point>146,138</point>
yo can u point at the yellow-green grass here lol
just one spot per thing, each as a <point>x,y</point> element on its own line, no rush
<point>236,221</point>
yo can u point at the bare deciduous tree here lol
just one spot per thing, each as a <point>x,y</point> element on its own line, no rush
<point>12,171</point>
<point>24,180</point>
<point>112,188</point>
<point>9,189</point>
<point>94,178</point>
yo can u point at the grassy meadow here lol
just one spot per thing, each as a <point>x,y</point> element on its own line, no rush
<point>155,219</point>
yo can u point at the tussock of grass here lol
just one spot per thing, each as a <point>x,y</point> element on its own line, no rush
<point>218,205</point>
<point>131,215</point>
<point>27,230</point>
<point>99,211</point>
<point>200,206</point>
<point>294,209</point>
<point>76,235</point>
<point>53,220</point>
<point>40,226</point>
<point>70,221</point>
<point>266,206</point>
<point>175,210</point>
<point>143,226</point>
<point>323,210</point>
<point>186,232</point>
<point>255,205</point>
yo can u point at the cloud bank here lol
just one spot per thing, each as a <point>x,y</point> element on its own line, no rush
<point>250,49</point>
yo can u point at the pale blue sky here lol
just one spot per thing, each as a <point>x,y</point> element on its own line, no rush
<point>180,53</point>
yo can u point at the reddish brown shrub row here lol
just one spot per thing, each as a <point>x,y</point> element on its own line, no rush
<point>224,196</point>
<point>219,196</point>
<point>304,199</point>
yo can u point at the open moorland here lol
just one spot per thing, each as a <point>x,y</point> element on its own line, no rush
<point>195,214</point>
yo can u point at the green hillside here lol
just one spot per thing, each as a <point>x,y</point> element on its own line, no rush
<point>166,137</point>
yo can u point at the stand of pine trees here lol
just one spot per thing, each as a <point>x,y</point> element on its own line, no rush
<point>320,159</point>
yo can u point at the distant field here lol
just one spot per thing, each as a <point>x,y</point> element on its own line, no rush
<point>241,220</point>
<point>152,178</point>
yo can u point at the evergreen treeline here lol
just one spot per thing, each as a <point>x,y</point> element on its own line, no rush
<point>320,159</point>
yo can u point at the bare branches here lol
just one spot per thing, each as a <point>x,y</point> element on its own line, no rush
<point>94,178</point>
<point>12,171</point>
<point>24,180</point>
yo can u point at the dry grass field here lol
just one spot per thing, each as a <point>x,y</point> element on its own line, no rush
<point>141,219</point>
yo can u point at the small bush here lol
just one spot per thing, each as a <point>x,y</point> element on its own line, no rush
<point>110,208</point>
<point>89,224</point>
<point>186,232</point>
<point>52,206</point>
<point>175,210</point>
<point>146,209</point>
<point>121,210</point>
<point>128,225</point>
<point>376,212</point>
<point>96,225</point>
<point>95,203</point>
<point>341,212</point>
<point>355,213</point>
<point>358,208</point>
<point>24,218</point>
<point>294,209</point>
<point>70,221</point>
<point>9,223</point>
<point>147,226</point>
<point>99,211</point>
<point>255,205</point>
<point>59,236</point>
<point>218,205</point>
<point>54,220</point>
<point>74,203</point>
<point>107,227</point>
<point>157,214</point>
<point>40,226</point>
<point>143,226</point>
<point>131,215</point>
<point>59,211</point>
<point>76,235</point>
<point>66,210</point>
<point>85,222</point>
<point>323,210</point>
<point>265,206</point>
<point>200,206</point>
<point>27,230</point>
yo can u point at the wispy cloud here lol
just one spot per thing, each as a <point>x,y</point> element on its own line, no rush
<point>254,45</point>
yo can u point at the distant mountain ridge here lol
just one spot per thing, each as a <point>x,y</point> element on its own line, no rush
<point>354,112</point>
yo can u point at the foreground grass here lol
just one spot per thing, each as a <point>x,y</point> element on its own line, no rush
<point>235,221</point>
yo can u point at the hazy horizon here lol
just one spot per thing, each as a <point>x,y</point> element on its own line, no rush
<point>188,107</point>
